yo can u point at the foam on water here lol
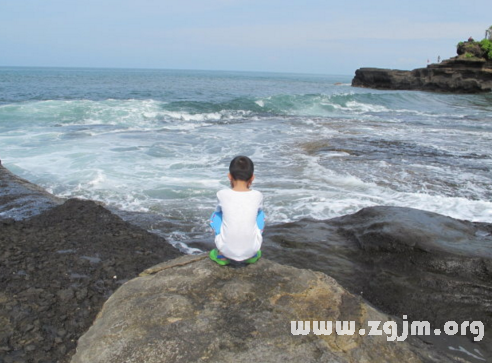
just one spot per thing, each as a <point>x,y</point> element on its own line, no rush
<point>320,151</point>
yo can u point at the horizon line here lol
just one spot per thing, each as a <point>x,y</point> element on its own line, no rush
<point>178,69</point>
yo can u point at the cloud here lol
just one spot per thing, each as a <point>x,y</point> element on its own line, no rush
<point>314,35</point>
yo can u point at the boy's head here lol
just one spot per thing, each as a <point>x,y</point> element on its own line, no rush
<point>241,168</point>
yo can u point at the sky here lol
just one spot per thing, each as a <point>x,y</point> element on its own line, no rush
<point>294,36</point>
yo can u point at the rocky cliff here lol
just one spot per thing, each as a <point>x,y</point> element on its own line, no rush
<point>456,75</point>
<point>193,310</point>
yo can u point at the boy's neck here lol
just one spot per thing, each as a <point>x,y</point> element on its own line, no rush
<point>240,185</point>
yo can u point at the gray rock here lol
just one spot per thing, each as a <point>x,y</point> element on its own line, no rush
<point>456,75</point>
<point>404,261</point>
<point>193,310</point>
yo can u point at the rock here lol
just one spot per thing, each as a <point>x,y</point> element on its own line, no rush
<point>456,75</point>
<point>193,310</point>
<point>20,199</point>
<point>71,253</point>
<point>471,47</point>
<point>65,295</point>
<point>404,261</point>
<point>401,260</point>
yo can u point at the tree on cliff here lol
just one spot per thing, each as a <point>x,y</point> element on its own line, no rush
<point>488,33</point>
<point>486,44</point>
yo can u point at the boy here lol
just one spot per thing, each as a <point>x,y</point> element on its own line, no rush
<point>238,220</point>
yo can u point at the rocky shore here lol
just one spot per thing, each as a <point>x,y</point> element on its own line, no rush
<point>404,261</point>
<point>59,266</point>
<point>20,199</point>
<point>455,75</point>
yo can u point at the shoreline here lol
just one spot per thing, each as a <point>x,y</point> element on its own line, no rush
<point>21,199</point>
<point>52,282</point>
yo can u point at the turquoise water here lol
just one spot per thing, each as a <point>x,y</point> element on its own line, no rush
<point>159,142</point>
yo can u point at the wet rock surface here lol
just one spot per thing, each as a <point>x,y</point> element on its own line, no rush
<point>193,310</point>
<point>21,199</point>
<point>57,269</point>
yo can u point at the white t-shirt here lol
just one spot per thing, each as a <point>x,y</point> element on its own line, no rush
<point>239,238</point>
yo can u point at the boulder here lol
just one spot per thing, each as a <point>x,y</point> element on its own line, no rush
<point>192,310</point>
<point>455,75</point>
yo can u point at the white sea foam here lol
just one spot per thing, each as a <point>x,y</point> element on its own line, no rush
<point>169,157</point>
<point>359,107</point>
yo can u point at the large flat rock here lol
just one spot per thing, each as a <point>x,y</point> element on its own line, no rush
<point>193,310</point>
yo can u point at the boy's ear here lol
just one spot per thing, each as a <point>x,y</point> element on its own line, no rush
<point>229,176</point>
<point>250,181</point>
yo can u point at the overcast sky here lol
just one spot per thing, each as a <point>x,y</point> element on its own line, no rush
<point>301,36</point>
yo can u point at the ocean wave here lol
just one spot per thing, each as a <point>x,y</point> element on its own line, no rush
<point>283,105</point>
<point>150,114</point>
<point>159,143</point>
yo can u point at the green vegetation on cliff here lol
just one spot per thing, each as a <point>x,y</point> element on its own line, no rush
<point>486,46</point>
<point>473,49</point>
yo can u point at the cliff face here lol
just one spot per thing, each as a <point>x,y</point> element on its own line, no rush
<point>456,75</point>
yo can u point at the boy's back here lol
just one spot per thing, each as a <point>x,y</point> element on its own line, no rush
<point>239,238</point>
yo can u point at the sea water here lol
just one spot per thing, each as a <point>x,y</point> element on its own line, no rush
<point>157,143</point>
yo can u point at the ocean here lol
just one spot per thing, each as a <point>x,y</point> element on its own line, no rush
<point>155,145</point>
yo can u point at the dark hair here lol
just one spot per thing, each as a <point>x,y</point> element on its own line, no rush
<point>241,168</point>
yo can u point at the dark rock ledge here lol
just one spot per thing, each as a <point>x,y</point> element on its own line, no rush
<point>59,266</point>
<point>455,75</point>
<point>20,199</point>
